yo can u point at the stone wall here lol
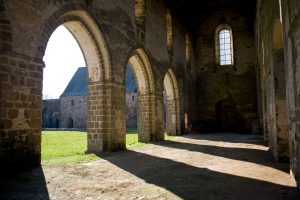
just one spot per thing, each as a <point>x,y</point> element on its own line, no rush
<point>73,112</point>
<point>51,113</point>
<point>21,104</point>
<point>226,94</point>
<point>108,34</point>
<point>131,110</point>
<point>277,30</point>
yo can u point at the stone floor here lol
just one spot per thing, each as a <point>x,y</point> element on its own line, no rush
<point>212,166</point>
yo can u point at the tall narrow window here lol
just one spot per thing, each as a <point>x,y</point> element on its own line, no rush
<point>140,18</point>
<point>169,32</point>
<point>140,13</point>
<point>224,45</point>
<point>187,50</point>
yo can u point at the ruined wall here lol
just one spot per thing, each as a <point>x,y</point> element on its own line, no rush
<point>107,27</point>
<point>291,35</point>
<point>131,110</point>
<point>226,94</point>
<point>278,69</point>
<point>73,108</point>
<point>272,79</point>
<point>51,113</point>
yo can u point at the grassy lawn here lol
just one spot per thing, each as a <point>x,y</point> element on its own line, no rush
<point>69,146</point>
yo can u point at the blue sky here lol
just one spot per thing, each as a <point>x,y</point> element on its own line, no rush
<point>62,58</point>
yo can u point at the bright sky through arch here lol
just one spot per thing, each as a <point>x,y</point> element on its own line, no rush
<point>62,58</point>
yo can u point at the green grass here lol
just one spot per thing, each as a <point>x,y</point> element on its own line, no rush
<point>60,147</point>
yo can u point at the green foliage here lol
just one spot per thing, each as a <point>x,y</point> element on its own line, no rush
<point>60,147</point>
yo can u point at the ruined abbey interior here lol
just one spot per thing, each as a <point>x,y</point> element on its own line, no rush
<point>223,65</point>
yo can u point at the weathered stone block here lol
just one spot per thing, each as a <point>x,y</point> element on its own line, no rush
<point>13,113</point>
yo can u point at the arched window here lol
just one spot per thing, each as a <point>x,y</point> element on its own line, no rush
<point>224,45</point>
<point>169,32</point>
<point>140,13</point>
<point>140,18</point>
<point>187,50</point>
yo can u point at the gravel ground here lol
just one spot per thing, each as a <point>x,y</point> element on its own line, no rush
<point>211,166</point>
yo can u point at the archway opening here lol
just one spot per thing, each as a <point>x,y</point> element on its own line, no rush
<point>142,73</point>
<point>131,101</point>
<point>64,95</point>
<point>171,104</point>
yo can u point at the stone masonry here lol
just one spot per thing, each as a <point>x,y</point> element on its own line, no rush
<point>259,88</point>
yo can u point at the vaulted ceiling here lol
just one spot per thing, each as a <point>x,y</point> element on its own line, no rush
<point>193,12</point>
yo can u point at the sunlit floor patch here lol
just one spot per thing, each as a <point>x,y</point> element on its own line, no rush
<point>216,167</point>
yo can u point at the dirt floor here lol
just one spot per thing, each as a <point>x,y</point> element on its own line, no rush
<point>212,166</point>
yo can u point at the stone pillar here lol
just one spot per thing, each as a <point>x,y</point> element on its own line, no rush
<point>144,117</point>
<point>281,105</point>
<point>106,117</point>
<point>158,133</point>
<point>20,109</point>
<point>171,126</point>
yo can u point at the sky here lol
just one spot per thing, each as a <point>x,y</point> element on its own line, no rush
<point>62,58</point>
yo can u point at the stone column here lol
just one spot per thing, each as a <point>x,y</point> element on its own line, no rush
<point>144,117</point>
<point>106,117</point>
<point>158,133</point>
<point>281,105</point>
<point>171,126</point>
<point>20,109</point>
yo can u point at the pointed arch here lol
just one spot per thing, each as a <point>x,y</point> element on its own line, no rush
<point>171,91</point>
<point>142,71</point>
<point>89,37</point>
<point>91,40</point>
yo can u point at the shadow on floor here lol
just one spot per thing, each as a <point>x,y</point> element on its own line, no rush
<point>228,137</point>
<point>256,156</point>
<point>189,182</point>
<point>29,184</point>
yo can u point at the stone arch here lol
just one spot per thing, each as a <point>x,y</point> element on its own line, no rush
<point>171,91</point>
<point>70,122</point>
<point>89,37</point>
<point>142,71</point>
<point>92,42</point>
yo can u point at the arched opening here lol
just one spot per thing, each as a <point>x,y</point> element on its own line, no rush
<point>140,14</point>
<point>63,84</point>
<point>169,32</point>
<point>140,18</point>
<point>142,71</point>
<point>131,101</point>
<point>92,45</point>
<point>70,122</point>
<point>171,96</point>
<point>188,50</point>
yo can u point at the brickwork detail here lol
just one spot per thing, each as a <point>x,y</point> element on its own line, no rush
<point>21,104</point>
